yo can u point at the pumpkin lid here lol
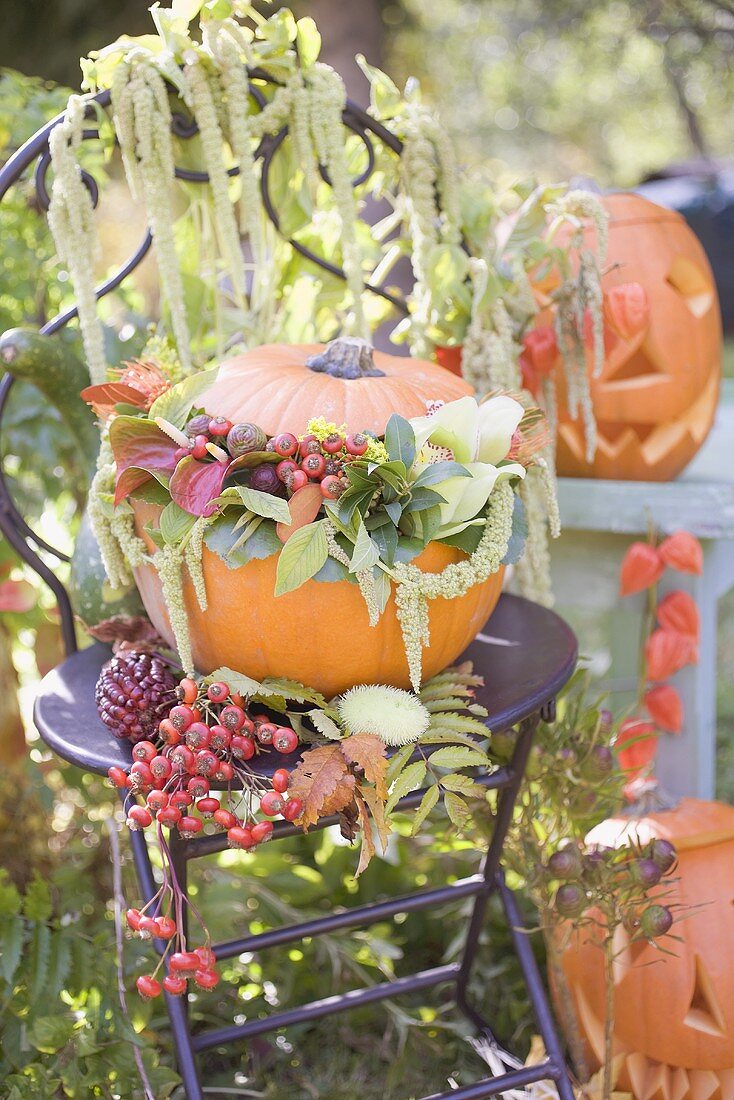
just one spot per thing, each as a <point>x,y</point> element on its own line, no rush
<point>627,208</point>
<point>693,823</point>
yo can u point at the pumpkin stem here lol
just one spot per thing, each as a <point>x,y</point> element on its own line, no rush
<point>346,357</point>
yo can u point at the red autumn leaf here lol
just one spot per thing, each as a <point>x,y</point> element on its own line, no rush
<point>104,397</point>
<point>626,310</point>
<point>666,652</point>
<point>141,451</point>
<point>17,596</point>
<point>678,611</point>
<point>370,753</point>
<point>665,707</point>
<point>682,551</point>
<point>636,744</point>
<point>323,783</point>
<point>641,567</point>
<point>196,485</point>
<point>304,507</point>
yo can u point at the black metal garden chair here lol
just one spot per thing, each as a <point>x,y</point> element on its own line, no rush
<point>523,673</point>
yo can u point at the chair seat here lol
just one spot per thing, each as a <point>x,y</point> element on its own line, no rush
<point>525,654</point>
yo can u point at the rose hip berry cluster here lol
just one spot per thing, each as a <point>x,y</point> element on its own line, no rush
<point>207,738</point>
<point>322,461</point>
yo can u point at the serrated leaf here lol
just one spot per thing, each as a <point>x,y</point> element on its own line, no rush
<point>448,703</point>
<point>365,554</point>
<point>464,723</point>
<point>10,900</point>
<point>400,440</point>
<point>462,784</point>
<point>398,762</point>
<point>437,735</point>
<point>291,690</point>
<point>59,962</point>
<point>429,800</point>
<point>457,809</point>
<point>368,752</point>
<point>322,781</point>
<point>264,504</point>
<point>410,779</point>
<point>301,557</point>
<point>39,950</point>
<point>175,404</point>
<point>37,901</point>
<point>367,849</point>
<point>238,681</point>
<point>175,524</point>
<point>12,936</point>
<point>377,809</point>
<point>459,756</point>
<point>326,726</point>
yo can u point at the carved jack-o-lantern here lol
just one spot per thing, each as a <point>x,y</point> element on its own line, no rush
<point>674,1009</point>
<point>655,399</point>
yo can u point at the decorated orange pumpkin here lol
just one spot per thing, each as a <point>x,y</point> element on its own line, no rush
<point>674,1009</point>
<point>318,634</point>
<point>655,398</point>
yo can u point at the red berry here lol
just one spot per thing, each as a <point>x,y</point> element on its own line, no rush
<point>118,777</point>
<point>285,740</point>
<point>332,487</point>
<point>199,449</point>
<point>189,690</point>
<point>218,691</point>
<point>232,718</point>
<point>281,779</point>
<point>133,917</point>
<point>243,748</point>
<point>333,443</point>
<point>265,733</point>
<point>157,800</point>
<point>286,444</point>
<point>238,837</point>
<point>183,961</point>
<point>198,786</point>
<point>262,831</point>
<point>145,751</point>
<point>357,444</point>
<point>272,803</point>
<point>182,758</point>
<point>224,772</point>
<point>160,767</point>
<point>197,736</point>
<point>220,739</point>
<point>225,819</point>
<point>141,775</point>
<point>285,468</point>
<point>293,809</point>
<point>314,466</point>
<point>148,987</point>
<point>207,956</point>
<point>181,800</point>
<point>166,927</point>
<point>296,480</point>
<point>189,826</point>
<point>148,927</point>
<point>169,816</point>
<point>206,762</point>
<point>220,426</point>
<point>206,979</point>
<point>168,732</point>
<point>182,717</point>
<point>139,817</point>
<point>207,806</point>
<point>175,985</point>
<point>309,445</point>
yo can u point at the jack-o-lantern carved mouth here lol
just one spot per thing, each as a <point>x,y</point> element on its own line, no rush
<point>692,284</point>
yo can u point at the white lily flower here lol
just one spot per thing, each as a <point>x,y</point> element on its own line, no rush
<point>465,497</point>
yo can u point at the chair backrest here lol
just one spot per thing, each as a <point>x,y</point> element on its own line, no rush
<point>35,152</point>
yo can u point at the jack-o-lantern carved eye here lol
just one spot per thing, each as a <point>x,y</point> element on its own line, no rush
<point>692,284</point>
<point>704,1013</point>
<point>639,365</point>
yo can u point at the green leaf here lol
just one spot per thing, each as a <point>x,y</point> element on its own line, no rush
<point>393,474</point>
<point>264,504</point>
<point>10,902</point>
<point>457,809</point>
<point>468,539</point>
<point>37,902</point>
<point>308,42</point>
<point>383,588</point>
<point>462,784</point>
<point>221,537</point>
<point>175,404</point>
<point>410,779</point>
<point>38,956</point>
<point>395,511</point>
<point>326,726</point>
<point>422,499</point>
<point>436,472</point>
<point>398,762</point>
<point>12,935</point>
<point>459,757</point>
<point>292,690</point>
<point>301,557</point>
<point>429,800</point>
<point>400,440</point>
<point>175,524</point>
<point>385,97</point>
<point>365,553</point>
<point>385,539</point>
<point>237,681</point>
<point>50,1033</point>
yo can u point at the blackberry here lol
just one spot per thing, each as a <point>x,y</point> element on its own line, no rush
<point>134,692</point>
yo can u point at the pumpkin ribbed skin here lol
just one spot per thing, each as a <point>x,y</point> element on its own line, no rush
<point>674,1010</point>
<point>271,386</point>
<point>655,398</point>
<point>319,634</point>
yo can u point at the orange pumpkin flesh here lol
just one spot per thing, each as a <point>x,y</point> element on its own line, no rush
<point>655,398</point>
<point>271,386</point>
<point>319,634</point>
<point>675,1012</point>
